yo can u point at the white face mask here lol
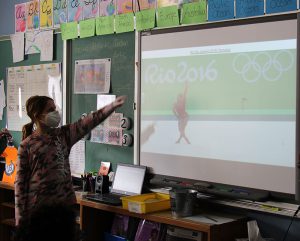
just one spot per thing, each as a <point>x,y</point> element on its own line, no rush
<point>52,119</point>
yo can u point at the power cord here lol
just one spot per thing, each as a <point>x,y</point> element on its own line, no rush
<point>288,229</point>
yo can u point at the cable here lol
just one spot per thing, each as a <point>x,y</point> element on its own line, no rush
<point>288,229</point>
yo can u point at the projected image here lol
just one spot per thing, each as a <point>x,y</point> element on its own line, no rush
<point>234,102</point>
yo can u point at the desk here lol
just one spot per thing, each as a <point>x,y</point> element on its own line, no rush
<point>95,218</point>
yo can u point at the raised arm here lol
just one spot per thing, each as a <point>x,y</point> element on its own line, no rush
<point>83,126</point>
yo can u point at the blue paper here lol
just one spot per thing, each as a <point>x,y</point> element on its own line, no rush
<point>277,6</point>
<point>220,9</point>
<point>248,8</point>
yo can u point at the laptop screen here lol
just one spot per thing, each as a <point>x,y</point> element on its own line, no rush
<point>128,179</point>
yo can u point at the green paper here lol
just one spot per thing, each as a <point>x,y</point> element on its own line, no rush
<point>124,23</point>
<point>87,28</point>
<point>194,12</point>
<point>145,19</point>
<point>105,25</point>
<point>69,30</point>
<point>167,16</point>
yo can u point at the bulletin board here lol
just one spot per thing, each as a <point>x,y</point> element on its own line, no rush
<point>6,61</point>
<point>120,49</point>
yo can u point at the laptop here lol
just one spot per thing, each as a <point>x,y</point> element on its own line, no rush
<point>128,181</point>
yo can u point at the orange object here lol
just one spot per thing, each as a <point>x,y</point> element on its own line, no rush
<point>10,154</point>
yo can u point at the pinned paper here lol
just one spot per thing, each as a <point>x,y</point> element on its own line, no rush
<point>75,11</point>
<point>69,30</point>
<point>60,8</point>
<point>77,159</point>
<point>20,18</point>
<point>87,28</point>
<point>249,8</point>
<point>167,16</point>
<point>105,25</point>
<point>17,41</point>
<point>107,8</point>
<point>46,14</point>
<point>91,9</point>
<point>194,12</point>
<point>220,10</point>
<point>33,16</point>
<point>124,22</point>
<point>145,19</point>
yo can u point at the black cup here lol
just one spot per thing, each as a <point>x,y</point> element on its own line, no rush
<point>182,202</point>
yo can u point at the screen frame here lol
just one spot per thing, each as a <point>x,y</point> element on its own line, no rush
<point>215,25</point>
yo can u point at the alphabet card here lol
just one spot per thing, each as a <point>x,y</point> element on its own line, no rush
<point>90,9</point>
<point>107,7</point>
<point>20,18</point>
<point>145,4</point>
<point>125,6</point>
<point>75,10</point>
<point>60,11</point>
<point>46,14</point>
<point>33,15</point>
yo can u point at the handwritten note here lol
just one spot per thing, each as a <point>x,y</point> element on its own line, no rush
<point>69,30</point>
<point>17,42</point>
<point>220,10</point>
<point>145,19</point>
<point>105,25</point>
<point>87,28</point>
<point>75,10</point>
<point>275,6</point>
<point>124,23</point>
<point>194,12</point>
<point>60,8</point>
<point>32,21</point>
<point>20,18</point>
<point>248,8</point>
<point>167,16</point>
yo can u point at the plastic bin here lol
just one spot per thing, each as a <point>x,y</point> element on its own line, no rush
<point>146,203</point>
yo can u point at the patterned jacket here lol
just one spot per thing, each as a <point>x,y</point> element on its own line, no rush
<point>43,168</point>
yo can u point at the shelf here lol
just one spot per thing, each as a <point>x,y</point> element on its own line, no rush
<point>8,204</point>
<point>9,222</point>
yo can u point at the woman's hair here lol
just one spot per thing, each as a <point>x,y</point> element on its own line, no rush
<point>35,106</point>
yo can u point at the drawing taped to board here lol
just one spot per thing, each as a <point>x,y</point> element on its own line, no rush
<point>92,76</point>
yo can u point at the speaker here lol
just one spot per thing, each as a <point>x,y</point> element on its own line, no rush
<point>102,184</point>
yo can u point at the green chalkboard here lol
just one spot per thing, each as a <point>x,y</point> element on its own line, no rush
<point>6,60</point>
<point>120,48</point>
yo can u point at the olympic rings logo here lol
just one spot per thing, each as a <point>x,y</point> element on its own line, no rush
<point>263,65</point>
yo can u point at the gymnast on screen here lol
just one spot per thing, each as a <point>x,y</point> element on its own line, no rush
<point>179,111</point>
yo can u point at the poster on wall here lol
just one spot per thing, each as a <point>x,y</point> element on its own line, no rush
<point>90,9</point>
<point>46,14</point>
<point>60,12</point>
<point>32,15</point>
<point>26,81</point>
<point>75,11</point>
<point>20,17</point>
<point>92,76</point>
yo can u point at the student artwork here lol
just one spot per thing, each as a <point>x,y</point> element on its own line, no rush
<point>20,18</point>
<point>166,3</point>
<point>249,8</point>
<point>46,14</point>
<point>75,10</point>
<point>276,6</point>
<point>220,10</point>
<point>125,6</point>
<point>92,76</point>
<point>32,10</point>
<point>60,11</point>
<point>90,9</point>
<point>107,8</point>
<point>145,4</point>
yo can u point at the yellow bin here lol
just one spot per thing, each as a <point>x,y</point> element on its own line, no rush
<point>146,203</point>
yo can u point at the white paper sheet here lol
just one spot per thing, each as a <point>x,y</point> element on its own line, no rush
<point>26,81</point>
<point>40,42</point>
<point>77,159</point>
<point>2,98</point>
<point>17,41</point>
